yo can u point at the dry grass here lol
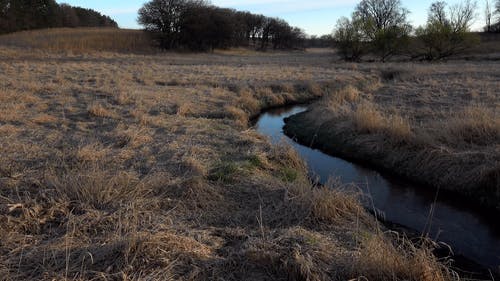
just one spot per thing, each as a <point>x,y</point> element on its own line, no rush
<point>383,259</point>
<point>98,110</point>
<point>349,93</point>
<point>366,116</point>
<point>237,114</point>
<point>448,137</point>
<point>81,40</point>
<point>475,124</point>
<point>248,102</point>
<point>95,188</point>
<point>143,167</point>
<point>368,119</point>
<point>330,203</point>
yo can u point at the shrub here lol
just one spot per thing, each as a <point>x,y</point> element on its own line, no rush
<point>385,25</point>
<point>447,34</point>
<point>380,26</point>
<point>349,39</point>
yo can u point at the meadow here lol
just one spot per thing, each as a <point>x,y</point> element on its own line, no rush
<point>81,40</point>
<point>143,166</point>
<point>436,124</point>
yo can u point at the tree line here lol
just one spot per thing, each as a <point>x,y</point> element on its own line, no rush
<point>18,15</point>
<point>381,28</point>
<point>376,27</point>
<point>197,25</point>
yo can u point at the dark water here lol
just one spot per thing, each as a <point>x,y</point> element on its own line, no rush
<point>467,232</point>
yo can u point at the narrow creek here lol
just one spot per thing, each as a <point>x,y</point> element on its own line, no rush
<point>469,233</point>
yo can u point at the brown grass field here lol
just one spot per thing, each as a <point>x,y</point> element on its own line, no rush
<point>119,166</point>
<point>437,124</point>
<point>81,40</point>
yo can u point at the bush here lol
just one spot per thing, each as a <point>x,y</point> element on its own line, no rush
<point>391,41</point>
<point>385,25</point>
<point>447,34</point>
<point>380,26</point>
<point>349,39</point>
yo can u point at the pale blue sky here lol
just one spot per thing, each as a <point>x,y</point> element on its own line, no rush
<point>314,16</point>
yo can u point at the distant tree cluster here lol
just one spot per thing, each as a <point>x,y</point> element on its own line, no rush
<point>197,25</point>
<point>381,27</point>
<point>377,26</point>
<point>18,15</point>
<point>314,41</point>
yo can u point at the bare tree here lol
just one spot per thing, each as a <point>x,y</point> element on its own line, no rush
<point>448,33</point>
<point>199,26</point>
<point>462,15</point>
<point>437,13</point>
<point>380,15</point>
<point>163,17</point>
<point>488,14</point>
<point>349,39</point>
<point>385,24</point>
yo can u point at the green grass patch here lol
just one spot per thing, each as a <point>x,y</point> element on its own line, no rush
<point>289,174</point>
<point>225,172</point>
<point>255,162</point>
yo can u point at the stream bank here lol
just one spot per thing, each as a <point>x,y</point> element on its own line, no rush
<point>404,204</point>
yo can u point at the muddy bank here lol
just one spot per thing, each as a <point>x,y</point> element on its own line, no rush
<point>406,160</point>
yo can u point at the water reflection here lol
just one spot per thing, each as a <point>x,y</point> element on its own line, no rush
<point>467,232</point>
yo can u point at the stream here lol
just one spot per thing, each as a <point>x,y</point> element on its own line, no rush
<point>470,234</point>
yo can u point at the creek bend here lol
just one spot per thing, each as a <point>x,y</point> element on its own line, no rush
<point>468,233</point>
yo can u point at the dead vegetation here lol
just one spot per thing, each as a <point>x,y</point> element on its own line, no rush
<point>383,259</point>
<point>127,167</point>
<point>81,40</point>
<point>434,124</point>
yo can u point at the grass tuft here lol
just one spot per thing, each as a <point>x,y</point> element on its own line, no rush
<point>368,119</point>
<point>225,172</point>
<point>92,153</point>
<point>95,188</point>
<point>400,259</point>
<point>474,125</point>
<point>98,110</point>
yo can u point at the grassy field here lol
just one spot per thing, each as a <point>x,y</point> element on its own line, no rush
<point>80,40</point>
<point>143,167</point>
<point>437,124</point>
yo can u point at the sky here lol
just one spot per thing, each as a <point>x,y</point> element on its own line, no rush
<point>316,17</point>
